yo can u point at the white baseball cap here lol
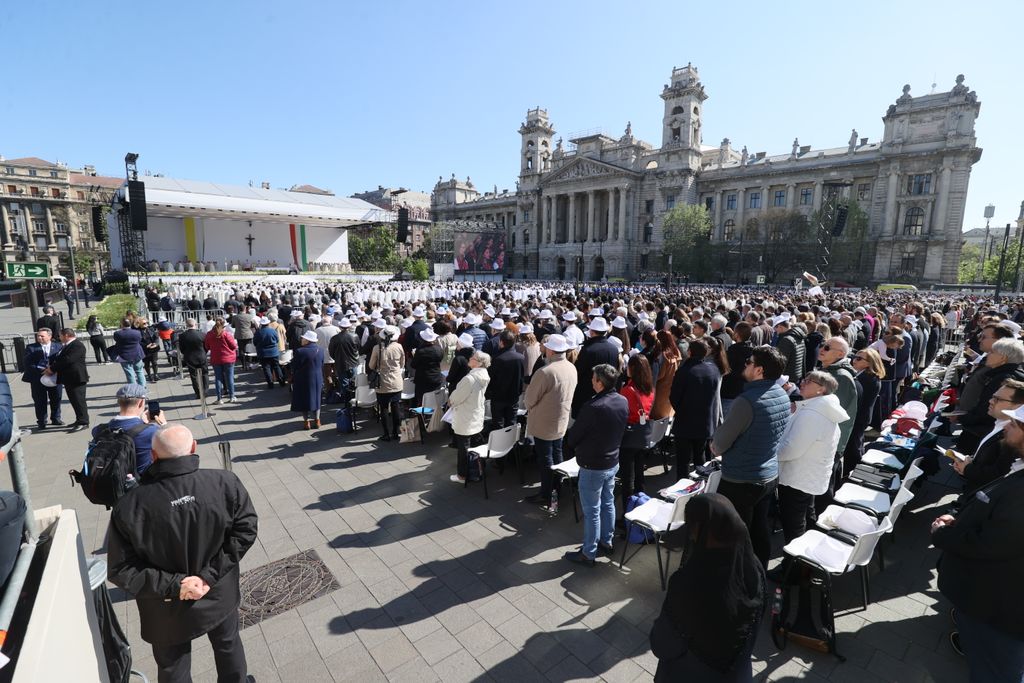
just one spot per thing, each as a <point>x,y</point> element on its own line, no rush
<point>406,323</point>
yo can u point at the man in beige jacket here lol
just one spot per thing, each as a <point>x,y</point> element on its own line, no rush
<point>548,400</point>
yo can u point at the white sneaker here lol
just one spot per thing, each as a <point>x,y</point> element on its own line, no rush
<point>231,400</point>
<point>457,479</point>
<point>217,402</point>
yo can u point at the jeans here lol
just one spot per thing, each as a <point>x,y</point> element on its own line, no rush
<point>134,373</point>
<point>794,506</point>
<point>752,501</point>
<point>992,656</point>
<point>597,501</point>
<point>549,453</point>
<point>224,376</point>
<point>174,662</point>
<point>272,371</point>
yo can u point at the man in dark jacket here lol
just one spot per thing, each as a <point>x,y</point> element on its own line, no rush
<point>69,367</point>
<point>412,339</point>
<point>981,565</point>
<point>695,399</point>
<point>344,349</point>
<point>49,320</point>
<point>210,304</point>
<point>38,357</point>
<point>1004,361</point>
<point>596,350</point>
<point>991,460</point>
<point>297,326</point>
<point>506,383</point>
<point>193,354</point>
<point>244,322</point>
<point>594,440</point>
<point>175,543</point>
<point>791,345</point>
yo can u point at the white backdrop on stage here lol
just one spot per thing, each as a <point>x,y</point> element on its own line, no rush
<point>225,240</point>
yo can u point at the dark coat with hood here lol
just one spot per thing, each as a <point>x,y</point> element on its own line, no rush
<point>791,345</point>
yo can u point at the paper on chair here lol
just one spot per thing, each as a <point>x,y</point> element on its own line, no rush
<point>681,488</point>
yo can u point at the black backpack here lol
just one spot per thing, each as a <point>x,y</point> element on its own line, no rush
<point>108,471</point>
<point>802,610</point>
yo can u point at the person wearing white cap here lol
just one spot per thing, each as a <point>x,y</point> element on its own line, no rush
<point>325,331</point>
<point>413,339</point>
<point>506,380</point>
<point>495,328</point>
<point>297,325</point>
<point>982,546</point>
<point>460,361</point>
<point>426,365</point>
<point>268,353</point>
<point>479,336</point>
<point>344,351</point>
<point>529,348</point>
<point>388,360</point>
<point>596,350</point>
<point>308,380</point>
<point>548,397</point>
<point>544,325</point>
<point>571,330</point>
<point>467,404</point>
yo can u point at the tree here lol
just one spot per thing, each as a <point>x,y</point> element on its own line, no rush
<point>780,230</point>
<point>374,250</point>
<point>968,270</point>
<point>687,231</point>
<point>419,269</point>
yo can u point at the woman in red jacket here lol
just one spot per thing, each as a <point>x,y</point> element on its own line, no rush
<point>639,393</point>
<point>223,352</point>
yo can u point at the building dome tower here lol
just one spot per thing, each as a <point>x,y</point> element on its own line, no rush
<point>535,155</point>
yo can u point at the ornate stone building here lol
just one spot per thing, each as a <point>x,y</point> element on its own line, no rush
<point>595,210</point>
<point>44,206</point>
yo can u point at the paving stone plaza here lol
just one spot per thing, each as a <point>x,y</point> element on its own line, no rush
<point>437,583</point>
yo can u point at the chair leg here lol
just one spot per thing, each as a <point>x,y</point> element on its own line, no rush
<point>864,588</point>
<point>483,473</point>
<point>625,547</point>
<point>661,571</point>
<point>576,508</point>
<point>881,557</point>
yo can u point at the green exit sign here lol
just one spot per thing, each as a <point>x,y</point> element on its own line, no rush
<point>28,271</point>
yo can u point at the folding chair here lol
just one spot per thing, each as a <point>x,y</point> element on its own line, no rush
<point>500,443</point>
<point>432,402</point>
<point>408,390</point>
<point>659,429</point>
<point>365,398</point>
<point>659,517</point>
<point>570,469</point>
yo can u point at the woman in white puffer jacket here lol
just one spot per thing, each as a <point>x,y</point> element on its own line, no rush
<point>807,451</point>
<point>467,404</point>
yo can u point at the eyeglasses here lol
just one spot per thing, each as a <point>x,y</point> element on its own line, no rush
<point>999,399</point>
<point>826,347</point>
<point>808,380</point>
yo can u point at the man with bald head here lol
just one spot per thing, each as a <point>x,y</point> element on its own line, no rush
<point>174,543</point>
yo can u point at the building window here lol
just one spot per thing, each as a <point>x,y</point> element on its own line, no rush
<point>513,239</point>
<point>709,204</point>
<point>37,207</point>
<point>643,261</point>
<point>54,192</point>
<point>730,202</point>
<point>676,134</point>
<point>863,191</point>
<point>806,196</point>
<point>35,191</point>
<point>32,172</point>
<point>755,200</point>
<point>649,207</point>
<point>780,198</point>
<point>38,227</point>
<point>12,189</point>
<point>729,230</point>
<point>526,236</point>
<point>526,216</point>
<point>9,170</point>
<point>919,184</point>
<point>53,174</point>
<point>648,232</point>
<point>40,243</point>
<point>913,221</point>
<point>670,202</point>
<point>907,265</point>
<point>751,232</point>
<point>514,217</point>
<point>60,228</point>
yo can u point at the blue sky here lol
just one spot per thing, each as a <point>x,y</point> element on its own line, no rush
<point>349,95</point>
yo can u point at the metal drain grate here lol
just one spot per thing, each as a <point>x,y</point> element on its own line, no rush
<point>280,586</point>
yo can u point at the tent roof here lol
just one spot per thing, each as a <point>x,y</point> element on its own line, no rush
<point>175,197</point>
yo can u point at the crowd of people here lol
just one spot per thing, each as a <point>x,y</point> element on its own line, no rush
<point>778,388</point>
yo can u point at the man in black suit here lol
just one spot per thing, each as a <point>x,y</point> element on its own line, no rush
<point>992,460</point>
<point>69,367</point>
<point>37,359</point>
<point>193,354</point>
<point>506,381</point>
<point>48,320</point>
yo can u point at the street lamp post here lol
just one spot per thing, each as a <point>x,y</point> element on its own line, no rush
<point>74,275</point>
<point>990,211</point>
<point>1002,262</point>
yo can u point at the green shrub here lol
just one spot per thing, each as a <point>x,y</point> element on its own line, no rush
<point>111,311</point>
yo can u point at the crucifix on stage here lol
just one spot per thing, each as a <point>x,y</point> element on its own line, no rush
<point>250,239</point>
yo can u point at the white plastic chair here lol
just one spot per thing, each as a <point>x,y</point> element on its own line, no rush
<point>365,398</point>
<point>877,501</point>
<point>500,443</point>
<point>659,430</point>
<point>408,390</point>
<point>659,517</point>
<point>570,470</point>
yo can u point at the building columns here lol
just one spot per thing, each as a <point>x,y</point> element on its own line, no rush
<point>570,230</point>
<point>51,237</point>
<point>817,195</point>
<point>717,230</point>
<point>889,220</point>
<point>591,233</point>
<point>622,212</point>
<point>942,204</point>
<point>741,202</point>
<point>6,228</point>
<point>790,196</point>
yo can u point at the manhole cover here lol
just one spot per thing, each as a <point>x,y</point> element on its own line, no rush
<point>280,586</point>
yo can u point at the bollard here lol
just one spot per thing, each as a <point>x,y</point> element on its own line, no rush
<point>19,352</point>
<point>225,454</point>
<point>204,412</point>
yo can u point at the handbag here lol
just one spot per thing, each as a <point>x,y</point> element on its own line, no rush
<point>635,437</point>
<point>373,376</point>
<point>410,430</point>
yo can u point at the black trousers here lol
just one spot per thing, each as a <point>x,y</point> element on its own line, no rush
<point>149,362</point>
<point>835,481</point>
<point>631,474</point>
<point>794,506</point>
<point>197,374</point>
<point>43,396</point>
<point>76,397</point>
<point>689,453</point>
<point>99,347</point>
<point>502,414</point>
<point>390,405</point>
<point>174,662</point>
<point>752,500</point>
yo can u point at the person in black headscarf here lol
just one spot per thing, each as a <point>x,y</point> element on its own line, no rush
<point>715,600</point>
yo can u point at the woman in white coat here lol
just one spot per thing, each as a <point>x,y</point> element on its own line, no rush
<point>807,451</point>
<point>467,404</point>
